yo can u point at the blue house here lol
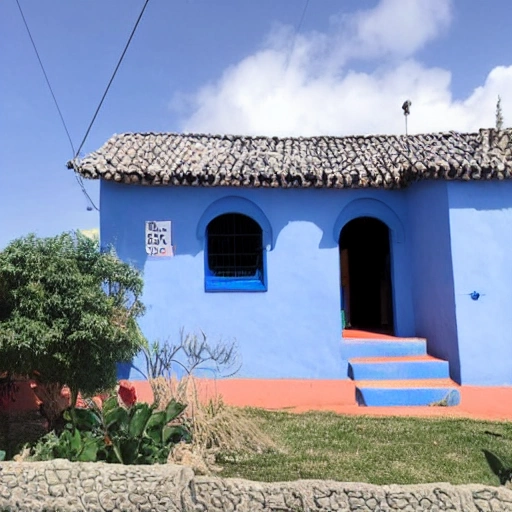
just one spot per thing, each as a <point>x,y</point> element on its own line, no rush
<point>280,242</point>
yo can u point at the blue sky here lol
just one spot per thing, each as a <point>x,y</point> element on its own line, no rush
<point>232,66</point>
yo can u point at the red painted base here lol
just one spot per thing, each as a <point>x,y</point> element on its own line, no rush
<point>270,393</point>
<point>487,403</point>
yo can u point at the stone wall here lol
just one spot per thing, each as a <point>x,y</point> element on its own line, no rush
<point>63,486</point>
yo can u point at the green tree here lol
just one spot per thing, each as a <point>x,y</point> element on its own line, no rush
<point>68,311</point>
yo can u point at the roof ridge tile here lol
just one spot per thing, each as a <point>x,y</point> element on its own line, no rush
<point>381,161</point>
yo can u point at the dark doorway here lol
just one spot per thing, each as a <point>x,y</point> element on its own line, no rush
<point>365,267</point>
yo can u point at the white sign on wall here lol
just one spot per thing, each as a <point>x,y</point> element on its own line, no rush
<point>158,238</point>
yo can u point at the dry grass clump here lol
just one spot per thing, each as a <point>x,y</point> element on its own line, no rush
<point>216,428</point>
<point>219,428</point>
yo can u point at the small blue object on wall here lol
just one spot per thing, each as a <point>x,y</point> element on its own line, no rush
<point>474,295</point>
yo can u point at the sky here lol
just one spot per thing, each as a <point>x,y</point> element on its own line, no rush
<point>271,67</point>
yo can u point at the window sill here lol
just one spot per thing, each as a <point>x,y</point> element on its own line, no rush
<point>233,284</point>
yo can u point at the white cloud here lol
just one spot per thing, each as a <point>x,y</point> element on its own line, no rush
<point>313,89</point>
<point>395,27</point>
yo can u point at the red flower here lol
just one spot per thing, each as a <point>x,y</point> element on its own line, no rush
<point>127,393</point>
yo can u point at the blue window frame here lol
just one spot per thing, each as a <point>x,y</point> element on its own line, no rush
<point>234,256</point>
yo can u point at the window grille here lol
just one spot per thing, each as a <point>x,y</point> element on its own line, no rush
<point>234,246</point>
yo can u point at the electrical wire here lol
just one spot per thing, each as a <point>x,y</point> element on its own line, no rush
<point>46,77</point>
<point>77,176</point>
<point>299,26</point>
<point>112,78</point>
<point>297,31</point>
<point>80,182</point>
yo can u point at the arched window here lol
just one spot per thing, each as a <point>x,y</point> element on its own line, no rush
<point>235,259</point>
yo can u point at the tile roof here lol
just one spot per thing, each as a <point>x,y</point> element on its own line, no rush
<point>381,161</point>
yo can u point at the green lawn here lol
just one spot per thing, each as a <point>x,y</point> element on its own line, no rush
<point>375,450</point>
<point>351,448</point>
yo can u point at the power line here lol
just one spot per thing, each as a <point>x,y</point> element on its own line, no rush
<point>112,77</point>
<point>46,77</point>
<point>299,26</point>
<point>297,31</point>
<point>77,177</point>
<point>80,182</point>
<point>77,152</point>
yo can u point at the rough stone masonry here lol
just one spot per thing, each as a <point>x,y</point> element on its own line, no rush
<point>64,486</point>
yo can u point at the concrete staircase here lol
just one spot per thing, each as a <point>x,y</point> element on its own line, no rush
<point>397,372</point>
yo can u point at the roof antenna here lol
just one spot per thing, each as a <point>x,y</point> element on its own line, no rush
<point>406,107</point>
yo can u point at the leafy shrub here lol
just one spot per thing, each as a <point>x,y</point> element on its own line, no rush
<point>119,430</point>
<point>62,301</point>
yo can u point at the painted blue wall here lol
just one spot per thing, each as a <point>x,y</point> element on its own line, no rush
<point>481,246</point>
<point>294,329</point>
<point>432,275</point>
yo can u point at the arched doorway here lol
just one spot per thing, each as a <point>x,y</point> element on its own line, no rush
<point>365,269</point>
